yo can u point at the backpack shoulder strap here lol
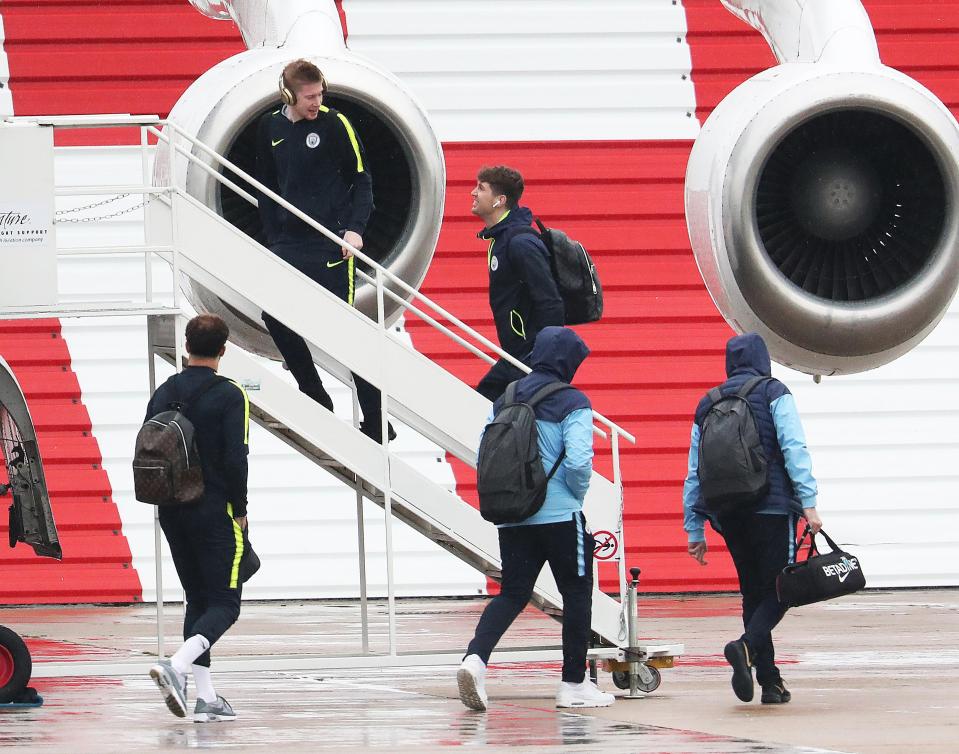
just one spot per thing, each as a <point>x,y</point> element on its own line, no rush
<point>546,391</point>
<point>715,396</point>
<point>555,468</point>
<point>510,395</point>
<point>750,385</point>
<point>520,230</point>
<point>216,380</point>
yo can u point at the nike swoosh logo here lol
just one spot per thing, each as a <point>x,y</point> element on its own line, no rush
<point>278,141</point>
<point>845,576</point>
<point>333,264</point>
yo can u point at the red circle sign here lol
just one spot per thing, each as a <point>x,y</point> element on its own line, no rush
<point>606,545</point>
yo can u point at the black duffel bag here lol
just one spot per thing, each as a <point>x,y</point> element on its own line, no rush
<point>819,577</point>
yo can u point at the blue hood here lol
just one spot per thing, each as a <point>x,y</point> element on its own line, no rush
<point>747,354</point>
<point>557,354</point>
<point>517,216</point>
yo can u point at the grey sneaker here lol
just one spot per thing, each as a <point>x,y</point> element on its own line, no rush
<point>172,685</point>
<point>215,712</point>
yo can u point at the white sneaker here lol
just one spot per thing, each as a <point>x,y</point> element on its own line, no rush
<point>471,679</point>
<point>584,694</point>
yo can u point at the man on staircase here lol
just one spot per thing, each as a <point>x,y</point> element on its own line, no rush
<point>311,156</point>
<point>522,292</point>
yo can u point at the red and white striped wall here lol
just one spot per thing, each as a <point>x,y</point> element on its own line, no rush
<point>597,104</point>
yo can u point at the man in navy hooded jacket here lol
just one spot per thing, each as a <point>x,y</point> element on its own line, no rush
<point>762,540</point>
<point>522,292</point>
<point>555,534</point>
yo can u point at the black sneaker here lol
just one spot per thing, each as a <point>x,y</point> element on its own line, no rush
<point>737,655</point>
<point>777,693</point>
<point>374,432</point>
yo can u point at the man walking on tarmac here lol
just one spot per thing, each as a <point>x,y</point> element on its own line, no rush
<point>761,536</point>
<point>522,292</point>
<point>206,537</point>
<point>556,534</point>
<point>311,156</point>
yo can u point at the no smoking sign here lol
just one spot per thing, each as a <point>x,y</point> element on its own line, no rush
<point>606,545</point>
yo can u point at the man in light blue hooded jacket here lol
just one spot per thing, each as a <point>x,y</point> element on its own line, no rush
<point>556,534</point>
<point>761,540</point>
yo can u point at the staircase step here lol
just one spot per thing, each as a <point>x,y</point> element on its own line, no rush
<point>78,547</point>
<point>56,583</point>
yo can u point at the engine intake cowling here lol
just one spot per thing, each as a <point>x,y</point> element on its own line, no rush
<point>222,109</point>
<point>820,201</point>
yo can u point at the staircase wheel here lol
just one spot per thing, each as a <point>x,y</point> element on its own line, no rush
<point>15,665</point>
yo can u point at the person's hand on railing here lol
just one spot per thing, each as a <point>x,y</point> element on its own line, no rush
<point>353,238</point>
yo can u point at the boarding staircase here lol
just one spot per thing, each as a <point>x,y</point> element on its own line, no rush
<point>418,392</point>
<point>208,250</point>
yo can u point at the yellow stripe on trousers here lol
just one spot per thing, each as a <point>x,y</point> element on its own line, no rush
<point>238,551</point>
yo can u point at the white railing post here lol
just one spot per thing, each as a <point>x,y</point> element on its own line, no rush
<point>361,542</point>
<point>387,486</point>
<point>145,174</point>
<point>621,534</point>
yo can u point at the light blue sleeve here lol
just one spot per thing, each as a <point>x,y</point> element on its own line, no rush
<point>578,439</point>
<point>492,415</point>
<point>792,440</point>
<point>693,523</point>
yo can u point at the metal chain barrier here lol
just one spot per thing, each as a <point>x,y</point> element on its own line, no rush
<point>60,216</point>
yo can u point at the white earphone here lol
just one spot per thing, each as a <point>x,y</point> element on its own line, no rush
<point>496,203</point>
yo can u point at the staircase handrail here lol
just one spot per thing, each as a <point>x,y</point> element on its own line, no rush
<point>614,428</point>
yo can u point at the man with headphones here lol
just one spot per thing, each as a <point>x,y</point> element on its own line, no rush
<point>522,291</point>
<point>311,155</point>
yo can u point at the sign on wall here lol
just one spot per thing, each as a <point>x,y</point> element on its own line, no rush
<point>28,250</point>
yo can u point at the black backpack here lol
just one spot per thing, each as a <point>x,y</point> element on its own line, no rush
<point>166,462</point>
<point>733,469</point>
<point>509,473</point>
<point>574,273</point>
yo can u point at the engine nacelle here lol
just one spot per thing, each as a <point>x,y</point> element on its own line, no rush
<point>222,108</point>
<point>821,196</point>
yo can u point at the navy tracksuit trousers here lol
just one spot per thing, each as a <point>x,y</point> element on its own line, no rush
<point>568,548</point>
<point>761,545</point>
<point>321,261</point>
<point>206,545</point>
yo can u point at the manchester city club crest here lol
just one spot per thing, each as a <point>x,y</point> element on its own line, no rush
<point>493,264</point>
<point>313,140</point>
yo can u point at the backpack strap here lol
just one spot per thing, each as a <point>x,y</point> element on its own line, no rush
<point>522,230</point>
<point>750,385</point>
<point>715,396</point>
<point>554,387</point>
<point>181,406</point>
<point>556,465</point>
<point>546,391</point>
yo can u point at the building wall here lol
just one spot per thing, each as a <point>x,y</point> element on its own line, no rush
<point>597,104</point>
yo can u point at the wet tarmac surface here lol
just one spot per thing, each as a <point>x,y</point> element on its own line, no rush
<point>367,711</point>
<point>875,673</point>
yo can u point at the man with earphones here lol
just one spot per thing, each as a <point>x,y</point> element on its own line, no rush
<point>311,155</point>
<point>522,291</point>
